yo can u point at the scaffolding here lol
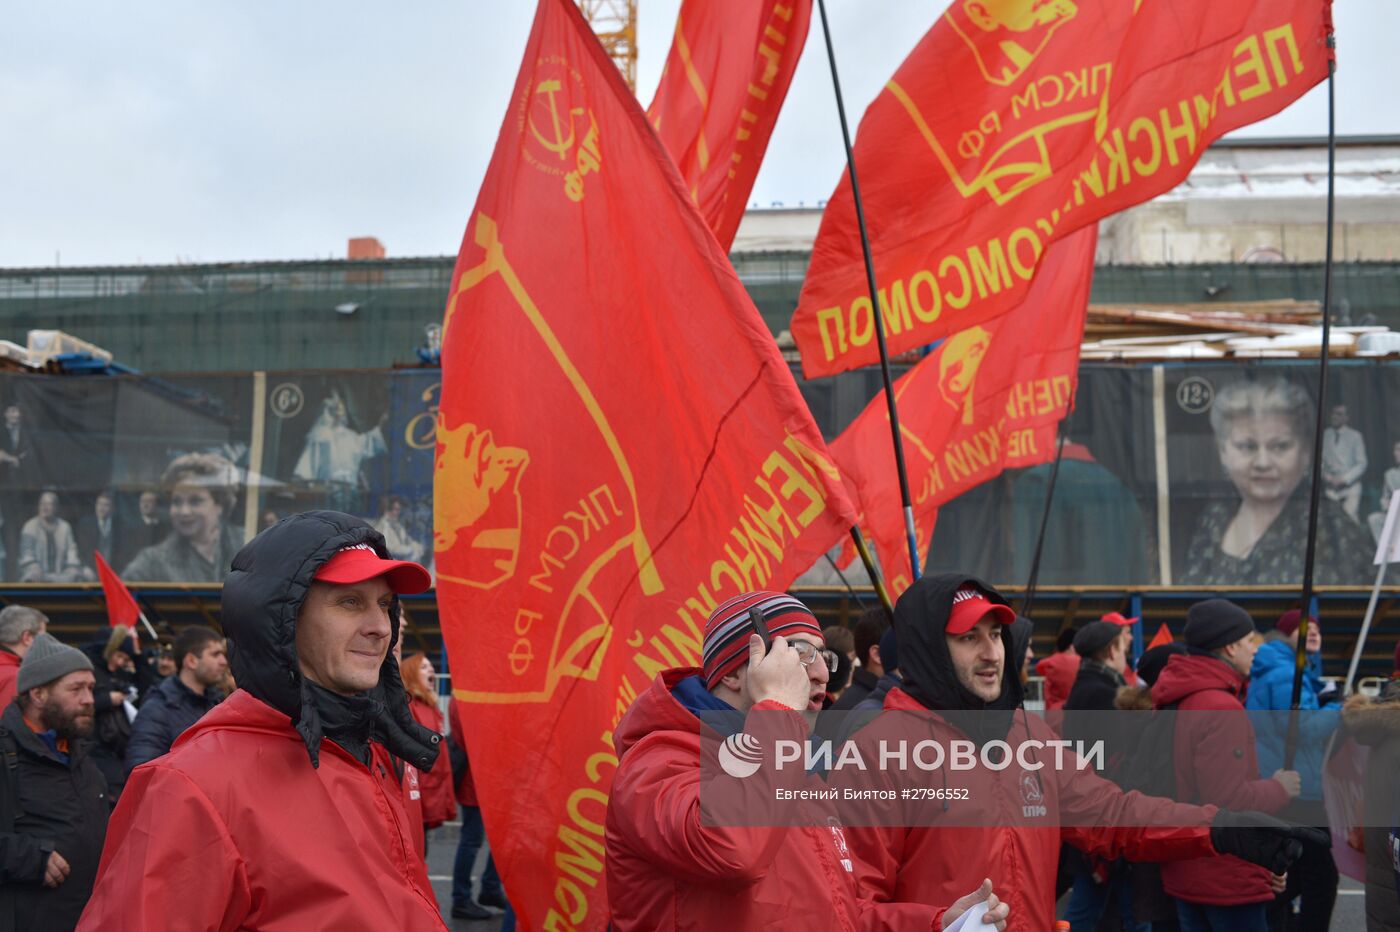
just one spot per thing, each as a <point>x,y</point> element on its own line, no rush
<point>615,24</point>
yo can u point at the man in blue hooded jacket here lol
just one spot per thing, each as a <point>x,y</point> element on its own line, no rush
<point>1313,879</point>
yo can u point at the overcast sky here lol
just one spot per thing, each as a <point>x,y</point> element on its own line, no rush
<point>215,131</point>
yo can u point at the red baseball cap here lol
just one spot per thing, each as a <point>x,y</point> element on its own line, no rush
<point>359,562</point>
<point>1118,619</point>
<point>971,605</point>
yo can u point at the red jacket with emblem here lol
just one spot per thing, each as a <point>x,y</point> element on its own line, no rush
<point>666,871</point>
<point>234,829</point>
<point>1009,825</point>
<point>1215,763</point>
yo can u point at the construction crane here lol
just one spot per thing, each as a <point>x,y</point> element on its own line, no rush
<point>614,22</point>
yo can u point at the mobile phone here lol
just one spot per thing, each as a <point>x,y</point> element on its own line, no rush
<point>761,627</point>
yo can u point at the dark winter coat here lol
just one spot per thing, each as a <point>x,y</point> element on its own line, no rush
<point>332,846</point>
<point>1376,725</point>
<point>112,729</point>
<point>1095,688</point>
<point>170,708</point>
<point>47,805</point>
<point>862,685</point>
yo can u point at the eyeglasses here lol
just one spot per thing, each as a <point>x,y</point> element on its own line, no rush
<point>807,652</point>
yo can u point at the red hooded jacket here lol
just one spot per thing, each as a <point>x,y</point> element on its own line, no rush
<point>1215,763</point>
<point>9,676</point>
<point>234,829</point>
<point>666,871</point>
<point>927,863</point>
<point>1059,671</point>
<point>435,786</point>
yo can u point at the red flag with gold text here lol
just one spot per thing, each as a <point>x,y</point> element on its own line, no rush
<point>620,447</point>
<point>1016,122</point>
<point>723,84</point>
<point>987,399</point>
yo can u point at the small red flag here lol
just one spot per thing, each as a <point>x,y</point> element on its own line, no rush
<point>1163,636</point>
<point>121,604</point>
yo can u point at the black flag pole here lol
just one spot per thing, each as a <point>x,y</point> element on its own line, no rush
<point>847,583</point>
<point>1029,599</point>
<point>874,307</point>
<point>1310,554</point>
<point>863,549</point>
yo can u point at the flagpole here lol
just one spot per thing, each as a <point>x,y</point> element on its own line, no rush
<point>863,549</point>
<point>875,311</point>
<point>152,631</point>
<point>1029,599</point>
<point>1310,554</point>
<point>847,583</point>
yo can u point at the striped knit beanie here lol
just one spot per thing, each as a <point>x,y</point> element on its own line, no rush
<point>726,647</point>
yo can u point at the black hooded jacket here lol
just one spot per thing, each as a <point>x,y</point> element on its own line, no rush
<point>920,622</point>
<point>262,596</point>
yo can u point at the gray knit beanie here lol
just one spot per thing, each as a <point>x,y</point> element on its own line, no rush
<point>47,660</point>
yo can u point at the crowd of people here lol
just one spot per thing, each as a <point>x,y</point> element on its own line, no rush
<point>289,777</point>
<point>147,766</point>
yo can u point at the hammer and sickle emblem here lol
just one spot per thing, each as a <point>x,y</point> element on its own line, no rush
<point>563,138</point>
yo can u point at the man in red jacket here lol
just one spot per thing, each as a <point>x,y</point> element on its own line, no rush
<point>1216,764</point>
<point>19,626</point>
<point>668,870</point>
<point>281,808</point>
<point>954,638</point>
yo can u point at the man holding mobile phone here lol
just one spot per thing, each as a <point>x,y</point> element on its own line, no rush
<point>666,868</point>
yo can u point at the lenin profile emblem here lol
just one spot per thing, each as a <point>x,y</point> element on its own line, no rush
<point>484,509</point>
<point>1006,35</point>
<point>1008,152</point>
<point>958,363</point>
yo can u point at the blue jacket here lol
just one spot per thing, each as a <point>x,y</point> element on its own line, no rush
<point>169,709</point>
<point>1271,688</point>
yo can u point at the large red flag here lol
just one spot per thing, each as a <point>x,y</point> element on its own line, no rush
<point>121,604</point>
<point>724,82</point>
<point>1015,122</point>
<point>620,447</point>
<point>987,399</point>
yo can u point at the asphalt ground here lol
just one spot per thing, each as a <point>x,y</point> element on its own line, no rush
<point>1349,915</point>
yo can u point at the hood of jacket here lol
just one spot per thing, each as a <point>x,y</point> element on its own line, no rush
<point>263,594</point>
<point>1021,630</point>
<point>920,621</point>
<point>1187,674</point>
<point>1133,699</point>
<point>1373,721</point>
<point>656,709</point>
